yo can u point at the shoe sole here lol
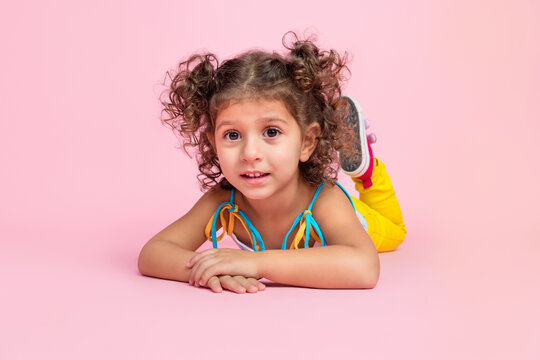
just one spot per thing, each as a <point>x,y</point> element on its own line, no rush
<point>353,167</point>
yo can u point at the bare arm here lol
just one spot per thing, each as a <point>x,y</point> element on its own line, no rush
<point>349,261</point>
<point>165,259</point>
<point>333,266</point>
<point>165,255</point>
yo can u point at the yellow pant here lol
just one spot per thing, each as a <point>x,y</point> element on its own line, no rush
<point>379,206</point>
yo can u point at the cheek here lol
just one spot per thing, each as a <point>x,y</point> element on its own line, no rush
<point>226,159</point>
<point>287,155</point>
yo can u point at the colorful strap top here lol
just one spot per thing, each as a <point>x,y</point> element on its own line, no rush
<point>308,225</point>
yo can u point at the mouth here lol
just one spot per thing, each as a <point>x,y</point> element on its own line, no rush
<point>253,178</point>
<point>254,175</point>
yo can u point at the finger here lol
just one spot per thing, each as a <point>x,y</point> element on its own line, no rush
<point>193,273</point>
<point>247,283</point>
<point>230,283</point>
<point>199,266</point>
<point>214,284</point>
<point>198,256</point>
<point>260,286</point>
<point>204,270</point>
<point>210,268</point>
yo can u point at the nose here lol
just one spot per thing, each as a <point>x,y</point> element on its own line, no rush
<point>251,151</point>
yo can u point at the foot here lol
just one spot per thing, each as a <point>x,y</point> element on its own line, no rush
<point>361,166</point>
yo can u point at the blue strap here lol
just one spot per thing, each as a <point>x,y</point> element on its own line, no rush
<point>346,193</point>
<point>362,219</point>
<point>216,215</point>
<point>254,233</point>
<point>310,221</point>
<point>296,221</point>
<point>257,239</point>
<point>315,196</point>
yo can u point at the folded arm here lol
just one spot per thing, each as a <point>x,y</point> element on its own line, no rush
<point>333,266</point>
<point>350,259</point>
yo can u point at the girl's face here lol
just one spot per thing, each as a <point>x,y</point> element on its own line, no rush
<point>259,145</point>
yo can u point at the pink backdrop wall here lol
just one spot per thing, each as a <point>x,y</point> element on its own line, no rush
<point>89,175</point>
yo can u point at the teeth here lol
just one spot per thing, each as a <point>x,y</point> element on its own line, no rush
<point>256,175</point>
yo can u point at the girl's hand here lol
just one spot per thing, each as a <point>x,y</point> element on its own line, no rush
<point>213,262</point>
<point>237,284</point>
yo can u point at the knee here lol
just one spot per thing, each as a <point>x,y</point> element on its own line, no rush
<point>387,244</point>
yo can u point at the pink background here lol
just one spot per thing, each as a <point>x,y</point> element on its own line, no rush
<point>89,175</point>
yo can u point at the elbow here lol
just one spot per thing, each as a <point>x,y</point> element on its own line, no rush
<point>143,261</point>
<point>369,272</point>
<point>140,263</point>
<point>371,277</point>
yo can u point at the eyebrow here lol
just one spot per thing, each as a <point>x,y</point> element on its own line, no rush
<point>265,119</point>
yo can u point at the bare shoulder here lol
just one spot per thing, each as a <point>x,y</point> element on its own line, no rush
<point>334,199</point>
<point>205,207</point>
<point>188,230</point>
<point>214,197</point>
<point>337,218</point>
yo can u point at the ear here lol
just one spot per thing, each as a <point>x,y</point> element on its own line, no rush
<point>310,141</point>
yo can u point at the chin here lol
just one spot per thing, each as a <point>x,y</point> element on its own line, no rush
<point>254,193</point>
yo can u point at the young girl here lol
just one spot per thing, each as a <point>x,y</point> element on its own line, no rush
<point>268,129</point>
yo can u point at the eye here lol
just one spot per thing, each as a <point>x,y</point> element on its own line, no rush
<point>272,132</point>
<point>232,135</point>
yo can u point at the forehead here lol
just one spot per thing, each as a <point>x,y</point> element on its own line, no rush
<point>254,109</point>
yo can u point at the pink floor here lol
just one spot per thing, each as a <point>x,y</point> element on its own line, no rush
<point>89,175</point>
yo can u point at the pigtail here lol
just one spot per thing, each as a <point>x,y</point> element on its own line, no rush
<point>305,65</point>
<point>187,100</point>
<point>319,74</point>
<point>315,70</point>
<point>186,110</point>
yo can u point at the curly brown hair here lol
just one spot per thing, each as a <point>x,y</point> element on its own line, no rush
<point>307,81</point>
